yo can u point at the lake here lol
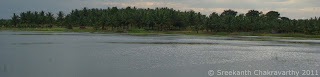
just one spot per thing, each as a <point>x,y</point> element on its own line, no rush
<point>81,54</point>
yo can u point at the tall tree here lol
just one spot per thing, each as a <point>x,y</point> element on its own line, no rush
<point>15,19</point>
<point>253,13</point>
<point>273,14</point>
<point>229,12</point>
<point>60,18</point>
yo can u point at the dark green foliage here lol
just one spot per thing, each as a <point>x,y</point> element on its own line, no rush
<point>273,15</point>
<point>60,19</point>
<point>253,13</point>
<point>165,19</point>
<point>15,19</point>
<point>229,12</point>
<point>4,22</point>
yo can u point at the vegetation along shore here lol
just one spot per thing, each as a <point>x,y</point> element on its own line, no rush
<point>164,20</point>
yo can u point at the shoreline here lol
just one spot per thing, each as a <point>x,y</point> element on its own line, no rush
<point>201,33</point>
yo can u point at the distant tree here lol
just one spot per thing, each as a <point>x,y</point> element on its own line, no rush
<point>191,18</point>
<point>213,22</point>
<point>253,16</point>
<point>68,21</point>
<point>229,12</point>
<point>273,14</point>
<point>50,19</point>
<point>60,18</point>
<point>253,13</point>
<point>199,22</point>
<point>42,18</point>
<point>284,18</point>
<point>15,19</point>
<point>2,22</point>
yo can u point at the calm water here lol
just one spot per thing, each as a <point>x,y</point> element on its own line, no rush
<point>71,54</point>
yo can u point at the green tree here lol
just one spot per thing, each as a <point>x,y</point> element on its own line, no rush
<point>273,14</point>
<point>15,19</point>
<point>60,18</point>
<point>253,13</point>
<point>229,12</point>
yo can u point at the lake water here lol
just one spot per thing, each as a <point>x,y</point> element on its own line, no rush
<point>72,54</point>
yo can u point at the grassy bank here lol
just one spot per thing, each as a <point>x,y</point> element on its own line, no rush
<point>34,29</point>
<point>202,33</point>
<point>75,29</point>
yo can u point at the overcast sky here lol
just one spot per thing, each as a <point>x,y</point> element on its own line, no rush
<point>297,9</point>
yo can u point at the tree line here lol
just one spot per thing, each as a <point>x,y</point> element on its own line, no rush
<point>165,19</point>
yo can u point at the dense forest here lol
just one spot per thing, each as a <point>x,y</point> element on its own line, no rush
<point>165,19</point>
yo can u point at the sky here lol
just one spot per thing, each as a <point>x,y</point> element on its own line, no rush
<point>294,9</point>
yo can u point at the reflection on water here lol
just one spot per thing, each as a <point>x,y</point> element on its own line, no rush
<point>301,41</point>
<point>46,34</point>
<point>33,43</point>
<point>3,68</point>
<point>190,43</point>
<point>72,54</point>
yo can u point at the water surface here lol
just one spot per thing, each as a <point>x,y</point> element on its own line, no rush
<point>72,54</point>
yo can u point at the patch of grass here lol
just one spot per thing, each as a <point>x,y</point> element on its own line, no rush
<point>34,29</point>
<point>171,32</point>
<point>290,35</point>
<point>58,29</point>
<point>248,34</point>
<point>295,35</point>
<point>220,33</point>
<point>137,30</point>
